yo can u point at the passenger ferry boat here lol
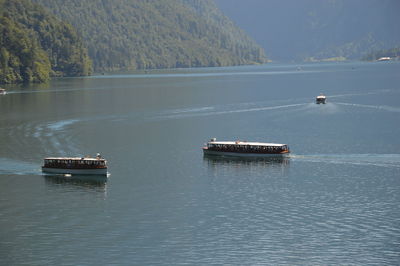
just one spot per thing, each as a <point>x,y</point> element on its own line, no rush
<point>320,99</point>
<point>245,149</point>
<point>75,165</point>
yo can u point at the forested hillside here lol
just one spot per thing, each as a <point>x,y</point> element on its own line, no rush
<point>143,34</point>
<point>35,45</point>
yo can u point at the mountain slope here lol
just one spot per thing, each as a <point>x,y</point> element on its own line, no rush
<point>140,34</point>
<point>298,30</point>
<point>34,45</point>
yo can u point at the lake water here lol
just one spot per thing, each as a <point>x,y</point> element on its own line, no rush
<point>335,200</point>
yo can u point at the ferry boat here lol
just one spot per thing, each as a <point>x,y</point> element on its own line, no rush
<point>320,99</point>
<point>75,165</point>
<point>2,91</point>
<point>245,149</point>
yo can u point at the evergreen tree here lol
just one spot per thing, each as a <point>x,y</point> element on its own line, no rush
<point>140,34</point>
<point>35,45</point>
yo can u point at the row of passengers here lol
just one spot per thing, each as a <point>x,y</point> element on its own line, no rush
<point>70,162</point>
<point>246,147</point>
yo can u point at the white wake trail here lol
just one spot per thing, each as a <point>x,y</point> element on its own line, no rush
<point>381,160</point>
<point>376,107</point>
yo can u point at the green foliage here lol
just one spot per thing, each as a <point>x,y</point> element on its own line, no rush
<point>34,44</point>
<point>21,58</point>
<point>392,53</point>
<point>144,34</point>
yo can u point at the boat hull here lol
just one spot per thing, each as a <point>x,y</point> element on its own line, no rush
<point>244,154</point>
<point>320,100</point>
<point>97,171</point>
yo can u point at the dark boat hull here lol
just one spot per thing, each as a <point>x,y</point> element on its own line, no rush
<point>94,171</point>
<point>244,154</point>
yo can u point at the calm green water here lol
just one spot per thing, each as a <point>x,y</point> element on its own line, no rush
<point>334,201</point>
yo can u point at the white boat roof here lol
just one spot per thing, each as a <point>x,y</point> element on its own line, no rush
<point>321,97</point>
<point>75,158</point>
<point>246,143</point>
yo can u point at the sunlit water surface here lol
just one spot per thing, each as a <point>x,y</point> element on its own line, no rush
<point>335,200</point>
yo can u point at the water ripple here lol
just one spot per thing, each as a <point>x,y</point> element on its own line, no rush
<point>15,167</point>
<point>382,160</point>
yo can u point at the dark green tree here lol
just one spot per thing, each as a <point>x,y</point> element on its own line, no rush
<point>35,45</point>
<point>142,34</point>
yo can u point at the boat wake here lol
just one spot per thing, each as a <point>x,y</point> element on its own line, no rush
<point>376,107</point>
<point>57,137</point>
<point>14,167</point>
<point>44,137</point>
<point>330,107</point>
<point>61,125</point>
<point>222,110</point>
<point>61,90</point>
<point>206,74</point>
<point>360,94</point>
<point>381,160</point>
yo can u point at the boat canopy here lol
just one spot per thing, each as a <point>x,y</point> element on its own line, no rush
<point>74,158</point>
<point>214,142</point>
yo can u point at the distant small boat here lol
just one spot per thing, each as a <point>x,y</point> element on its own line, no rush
<point>2,91</point>
<point>384,59</point>
<point>320,99</point>
<point>245,149</point>
<point>75,165</point>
